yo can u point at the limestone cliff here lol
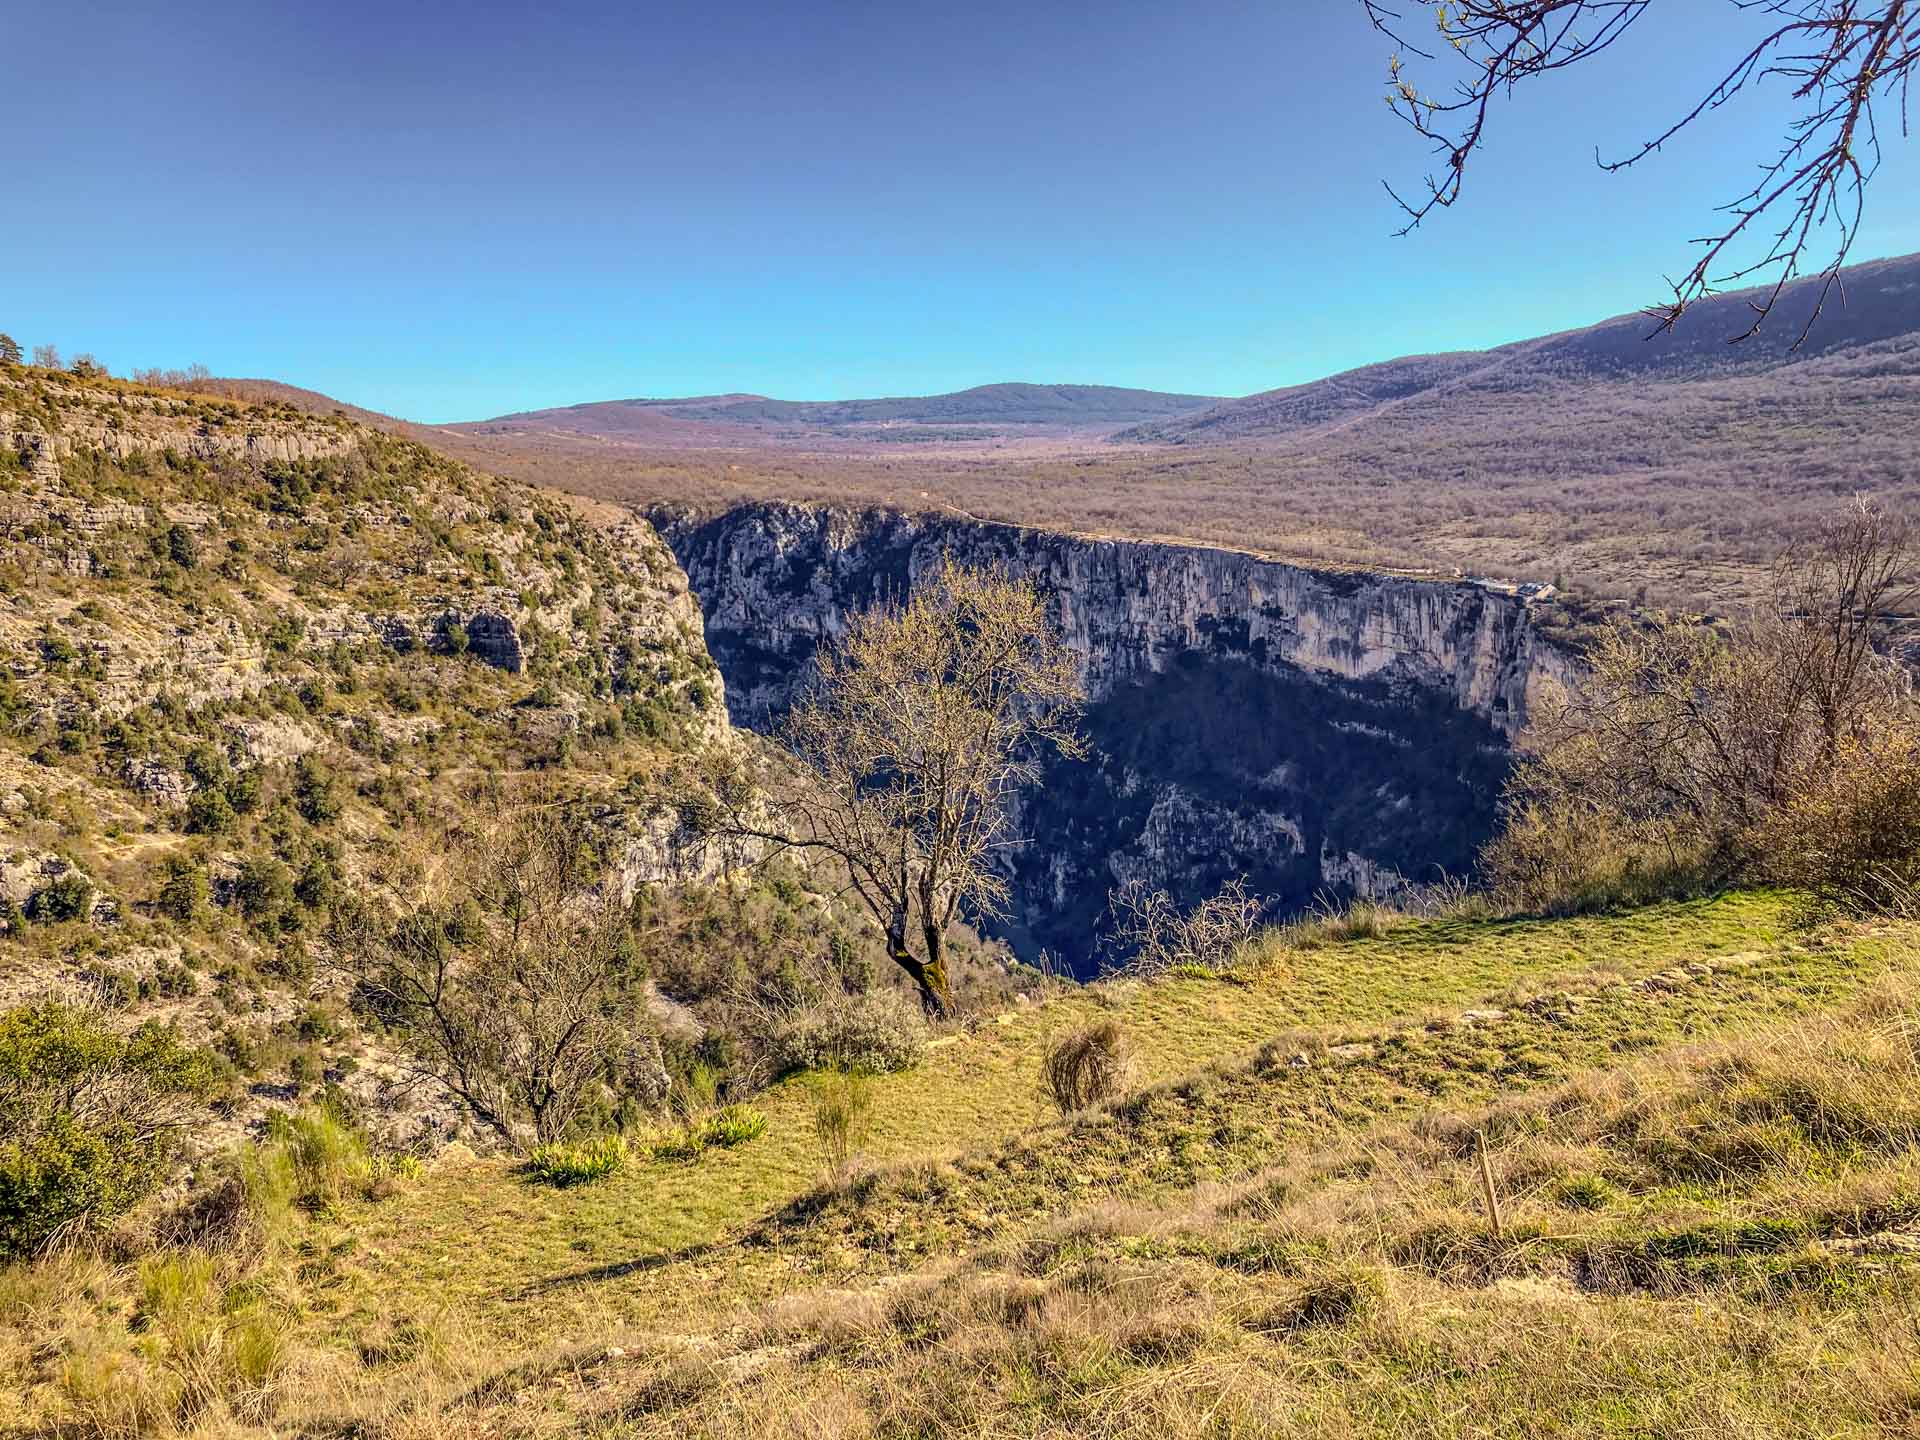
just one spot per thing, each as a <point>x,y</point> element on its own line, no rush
<point>1316,730</point>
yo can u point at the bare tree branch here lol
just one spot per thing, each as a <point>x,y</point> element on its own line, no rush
<point>1840,58</point>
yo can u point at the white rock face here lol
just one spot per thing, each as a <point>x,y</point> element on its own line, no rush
<point>776,580</point>
<point>1317,731</point>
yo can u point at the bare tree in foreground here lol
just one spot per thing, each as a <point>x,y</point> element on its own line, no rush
<point>509,971</point>
<point>908,751</point>
<point>1840,59</point>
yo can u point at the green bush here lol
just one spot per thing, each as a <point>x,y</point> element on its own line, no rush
<point>316,790</point>
<point>68,898</point>
<point>182,548</point>
<point>88,1118</point>
<point>874,1033</point>
<point>578,1162</point>
<point>183,893</point>
<point>209,812</point>
<point>264,888</point>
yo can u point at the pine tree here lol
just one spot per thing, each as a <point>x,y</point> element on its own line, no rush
<point>9,349</point>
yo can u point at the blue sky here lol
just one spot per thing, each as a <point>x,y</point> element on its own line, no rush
<point>449,211</point>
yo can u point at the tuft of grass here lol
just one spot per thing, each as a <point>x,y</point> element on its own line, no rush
<point>725,1128</point>
<point>842,1118</point>
<point>578,1162</point>
<point>733,1125</point>
<point>1088,1066</point>
<point>198,1347</point>
<point>312,1161</point>
<point>1337,1297</point>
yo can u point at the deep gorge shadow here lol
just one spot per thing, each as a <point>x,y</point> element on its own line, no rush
<point>1208,768</point>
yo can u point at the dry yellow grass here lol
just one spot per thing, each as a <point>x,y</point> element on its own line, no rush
<point>1286,1241</point>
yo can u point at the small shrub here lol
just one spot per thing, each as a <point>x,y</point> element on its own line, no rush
<point>263,888</point>
<point>842,1118</point>
<point>182,549</point>
<point>579,1162</point>
<point>1851,833</point>
<point>876,1033</point>
<point>1156,938</point>
<point>316,790</point>
<point>68,898</point>
<point>183,893</point>
<point>1087,1066</point>
<point>209,812</point>
<point>57,651</point>
<point>88,1119</point>
<point>1559,857</point>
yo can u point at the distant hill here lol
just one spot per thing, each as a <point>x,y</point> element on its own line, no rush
<point>1675,466</point>
<point>746,418</point>
<point>1880,303</point>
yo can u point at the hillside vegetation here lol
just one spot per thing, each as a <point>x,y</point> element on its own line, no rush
<point>255,663</point>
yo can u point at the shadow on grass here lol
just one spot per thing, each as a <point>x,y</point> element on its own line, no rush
<point>620,1269</point>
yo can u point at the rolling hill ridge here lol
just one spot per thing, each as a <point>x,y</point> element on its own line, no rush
<point>1879,306</point>
<point>750,418</point>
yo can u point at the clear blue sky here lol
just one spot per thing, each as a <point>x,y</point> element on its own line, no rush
<point>452,210</point>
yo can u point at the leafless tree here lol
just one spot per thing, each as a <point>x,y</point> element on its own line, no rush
<point>1840,58</point>
<point>1158,936</point>
<point>173,379</point>
<point>508,969</point>
<point>47,357</point>
<point>1687,741</point>
<point>1836,594</point>
<point>907,752</point>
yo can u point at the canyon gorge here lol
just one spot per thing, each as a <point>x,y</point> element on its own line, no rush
<point>1323,733</point>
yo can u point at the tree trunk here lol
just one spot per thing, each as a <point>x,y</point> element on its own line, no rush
<point>930,976</point>
<point>934,991</point>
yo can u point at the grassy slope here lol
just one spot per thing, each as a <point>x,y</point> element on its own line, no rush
<point>1131,1271</point>
<point>1715,1240</point>
<point>617,1250</point>
<point>1699,1175</point>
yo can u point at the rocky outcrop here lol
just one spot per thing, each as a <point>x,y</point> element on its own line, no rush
<point>494,639</point>
<point>1315,730</point>
<point>218,657</point>
<point>121,422</point>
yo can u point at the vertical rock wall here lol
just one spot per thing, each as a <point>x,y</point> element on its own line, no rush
<point>1318,731</point>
